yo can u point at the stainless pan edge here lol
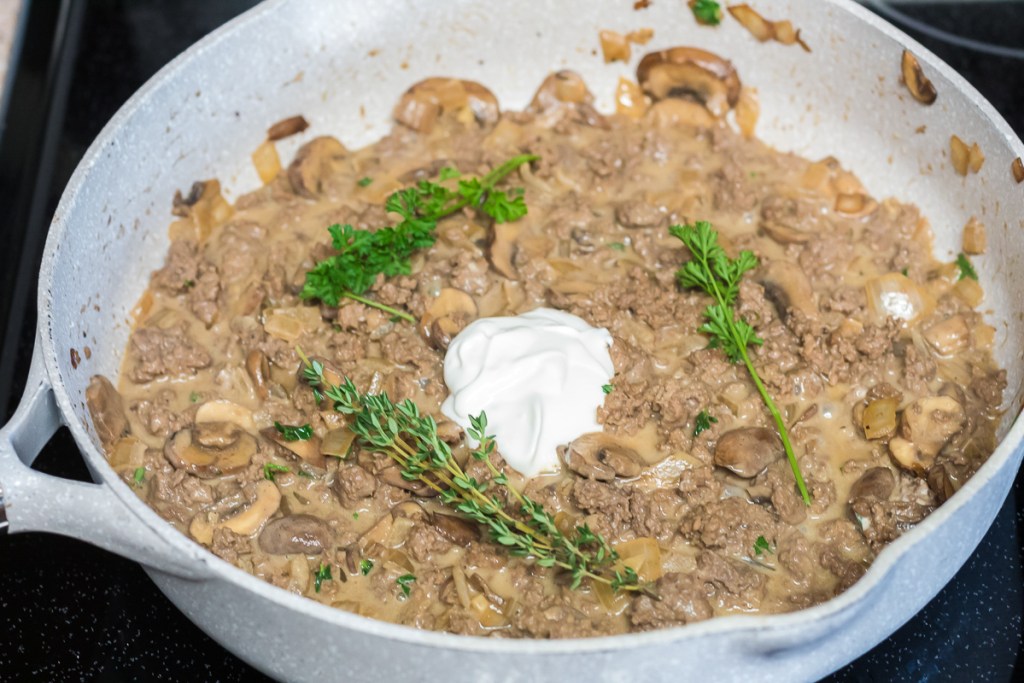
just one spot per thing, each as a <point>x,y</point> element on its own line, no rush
<point>246,614</point>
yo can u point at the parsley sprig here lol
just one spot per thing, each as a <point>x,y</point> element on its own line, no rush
<point>966,267</point>
<point>364,254</point>
<point>522,526</point>
<point>712,271</point>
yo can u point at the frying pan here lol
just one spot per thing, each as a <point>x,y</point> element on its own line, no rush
<point>343,65</point>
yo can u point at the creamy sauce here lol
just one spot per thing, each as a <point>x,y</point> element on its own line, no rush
<point>538,376</point>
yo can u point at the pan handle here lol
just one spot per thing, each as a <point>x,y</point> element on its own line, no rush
<point>33,501</point>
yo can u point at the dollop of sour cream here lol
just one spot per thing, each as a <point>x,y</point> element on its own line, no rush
<point>539,377</point>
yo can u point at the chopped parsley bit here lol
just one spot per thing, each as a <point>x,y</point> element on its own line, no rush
<point>365,566</point>
<point>448,172</point>
<point>355,515</point>
<point>617,246</point>
<point>272,468</point>
<point>303,433</point>
<point>188,284</point>
<point>363,182</point>
<point>139,476</point>
<point>703,421</point>
<point>307,475</point>
<point>906,272</point>
<point>966,269</point>
<point>193,397</point>
<point>761,546</point>
<point>404,581</point>
<point>607,388</point>
<point>322,574</point>
<point>707,12</point>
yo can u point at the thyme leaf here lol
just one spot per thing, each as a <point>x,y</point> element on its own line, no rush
<point>719,276</point>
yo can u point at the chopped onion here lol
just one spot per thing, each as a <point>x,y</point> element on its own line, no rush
<point>896,296</point>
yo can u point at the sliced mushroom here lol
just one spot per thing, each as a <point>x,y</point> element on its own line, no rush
<point>248,521</point>
<point>226,411</point>
<point>877,483</point>
<point>747,451</point>
<point>295,534</point>
<point>675,112</point>
<point>456,529</point>
<point>855,204</point>
<point>601,456</point>
<point>107,410</point>
<point>426,102</point>
<point>915,80</point>
<point>503,249</point>
<point>690,72</point>
<point>314,161</point>
<point>786,285</point>
<point>447,315</point>
<point>211,449</point>
<point>1017,169</point>
<point>944,479</point>
<point>307,449</point>
<point>259,372</point>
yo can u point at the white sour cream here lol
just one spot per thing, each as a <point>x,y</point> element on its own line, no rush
<point>539,378</point>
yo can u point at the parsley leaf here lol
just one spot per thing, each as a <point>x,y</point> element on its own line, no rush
<point>762,546</point>
<point>193,397</point>
<point>703,421</point>
<point>365,567</point>
<point>303,433</point>
<point>405,581</point>
<point>322,574</point>
<point>139,476</point>
<point>607,388</point>
<point>707,12</point>
<point>712,271</point>
<point>447,173</point>
<point>617,246</point>
<point>966,268</point>
<point>272,468</point>
<point>363,255</point>
<point>363,182</point>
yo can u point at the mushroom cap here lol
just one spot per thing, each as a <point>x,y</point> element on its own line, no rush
<point>107,410</point>
<point>210,449</point>
<point>930,422</point>
<point>787,286</point>
<point>456,529</point>
<point>917,83</point>
<point>747,451</point>
<point>295,534</point>
<point>601,456</point>
<point>690,71</point>
<point>307,449</point>
<point>558,89</point>
<point>424,103</point>
<point>446,316</point>
<point>877,483</point>
<point>312,163</point>
<point>248,521</point>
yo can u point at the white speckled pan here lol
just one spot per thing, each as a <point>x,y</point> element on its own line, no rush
<point>203,114</point>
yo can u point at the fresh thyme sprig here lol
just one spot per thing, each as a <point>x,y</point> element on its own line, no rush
<point>522,526</point>
<point>712,271</point>
<point>365,254</point>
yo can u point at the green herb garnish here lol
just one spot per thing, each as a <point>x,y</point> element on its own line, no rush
<point>707,12</point>
<point>139,476</point>
<point>272,468</point>
<point>366,566</point>
<point>523,526</point>
<point>405,581</point>
<point>966,268</point>
<point>304,473</point>
<point>365,254</point>
<point>303,433</point>
<point>761,546</point>
<point>617,246</point>
<point>363,182</point>
<point>355,515</point>
<point>322,574</point>
<point>703,421</point>
<point>193,397</point>
<point>188,284</point>
<point>447,173</point>
<point>607,388</point>
<point>712,271</point>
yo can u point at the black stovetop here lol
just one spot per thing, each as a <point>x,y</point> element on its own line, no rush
<point>69,611</point>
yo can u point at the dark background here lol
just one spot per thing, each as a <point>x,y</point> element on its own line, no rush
<point>69,611</point>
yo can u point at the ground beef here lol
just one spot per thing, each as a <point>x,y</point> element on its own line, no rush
<point>681,600</point>
<point>165,352</point>
<point>732,525</point>
<point>180,269</point>
<point>606,502</point>
<point>157,415</point>
<point>353,483</point>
